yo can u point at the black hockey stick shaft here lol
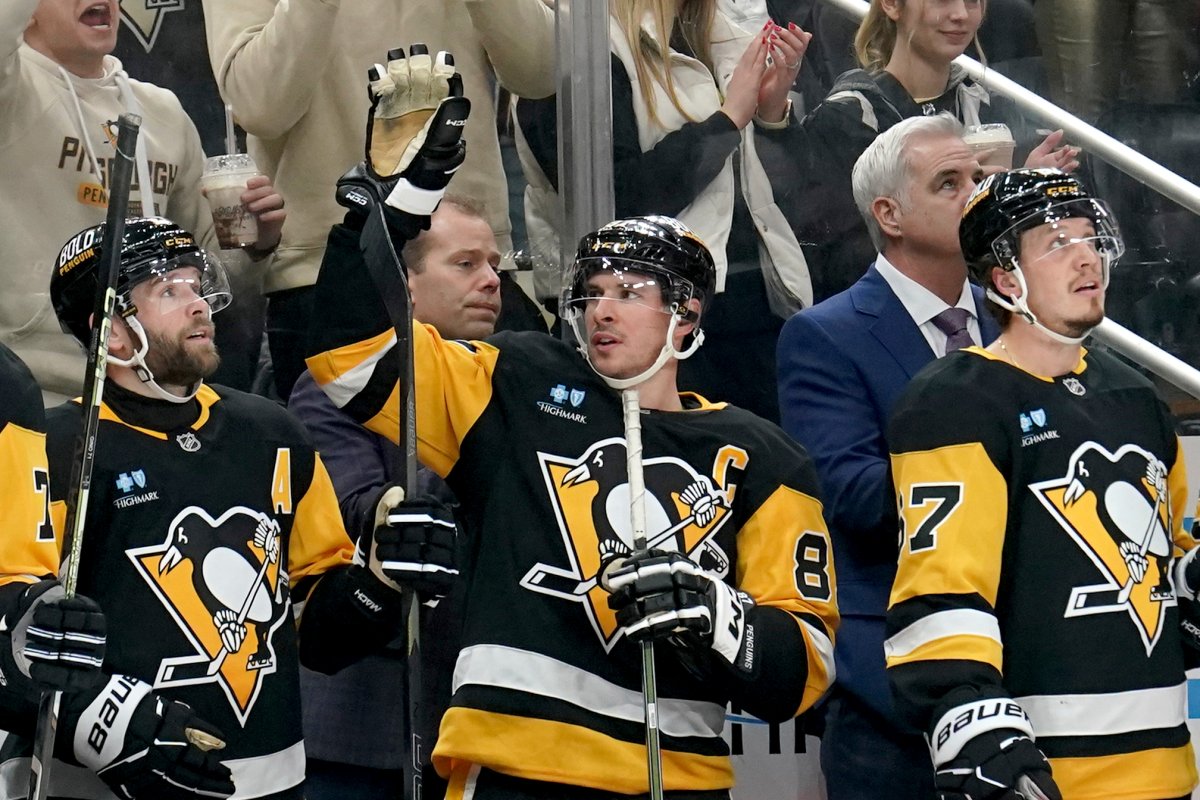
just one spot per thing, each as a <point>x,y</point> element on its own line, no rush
<point>388,274</point>
<point>120,178</point>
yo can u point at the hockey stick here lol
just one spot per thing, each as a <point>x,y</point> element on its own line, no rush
<point>387,271</point>
<point>1127,589</point>
<point>637,518</point>
<point>120,178</point>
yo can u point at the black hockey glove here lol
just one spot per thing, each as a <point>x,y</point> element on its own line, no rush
<point>658,594</point>
<point>143,745</point>
<point>984,750</point>
<point>1187,585</point>
<point>55,642</point>
<point>411,545</point>
<point>414,138</point>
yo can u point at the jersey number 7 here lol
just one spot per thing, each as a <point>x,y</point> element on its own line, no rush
<point>931,504</point>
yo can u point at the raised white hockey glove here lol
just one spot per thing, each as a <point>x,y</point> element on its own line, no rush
<point>411,545</point>
<point>658,594</point>
<point>55,642</point>
<point>143,745</point>
<point>984,750</point>
<point>414,134</point>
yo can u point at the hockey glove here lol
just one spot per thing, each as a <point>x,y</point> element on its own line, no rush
<point>658,594</point>
<point>1187,585</point>
<point>54,641</point>
<point>984,750</point>
<point>411,545</point>
<point>414,135</point>
<point>143,745</point>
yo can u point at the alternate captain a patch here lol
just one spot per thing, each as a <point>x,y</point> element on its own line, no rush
<point>590,495</point>
<point>223,582</point>
<point>1116,508</point>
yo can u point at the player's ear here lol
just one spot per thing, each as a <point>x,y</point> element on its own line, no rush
<point>120,338</point>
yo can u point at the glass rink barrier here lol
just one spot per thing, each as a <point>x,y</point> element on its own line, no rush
<point>744,121</point>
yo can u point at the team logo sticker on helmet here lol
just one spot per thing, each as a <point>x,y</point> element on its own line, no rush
<point>224,584</point>
<point>590,495</point>
<point>1115,506</point>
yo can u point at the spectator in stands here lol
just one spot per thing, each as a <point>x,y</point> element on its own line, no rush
<point>681,147</point>
<point>60,94</point>
<point>842,365</point>
<point>906,49</point>
<point>293,73</point>
<point>1101,52</point>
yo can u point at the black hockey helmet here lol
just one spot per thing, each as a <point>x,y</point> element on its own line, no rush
<point>151,247</point>
<point>1007,204</point>
<point>651,245</point>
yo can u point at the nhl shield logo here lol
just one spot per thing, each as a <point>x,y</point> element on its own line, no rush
<point>188,442</point>
<point>1074,386</point>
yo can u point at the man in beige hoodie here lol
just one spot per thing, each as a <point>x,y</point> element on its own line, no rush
<point>305,121</point>
<point>60,95</point>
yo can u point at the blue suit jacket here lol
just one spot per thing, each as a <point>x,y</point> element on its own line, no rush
<point>842,365</point>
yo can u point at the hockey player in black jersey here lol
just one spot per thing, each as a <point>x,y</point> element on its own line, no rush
<point>1034,630</point>
<point>738,584</point>
<point>211,524</point>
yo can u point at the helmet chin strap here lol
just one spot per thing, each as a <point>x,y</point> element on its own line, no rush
<point>666,354</point>
<point>1020,306</point>
<point>138,364</point>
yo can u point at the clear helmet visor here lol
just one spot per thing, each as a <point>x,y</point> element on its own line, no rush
<point>589,281</point>
<point>170,284</point>
<point>1077,229</point>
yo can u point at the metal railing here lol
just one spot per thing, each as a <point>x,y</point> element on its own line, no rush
<point>1121,156</point>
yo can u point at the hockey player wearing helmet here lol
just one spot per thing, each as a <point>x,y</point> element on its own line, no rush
<point>211,523</point>
<point>1034,629</point>
<point>528,432</point>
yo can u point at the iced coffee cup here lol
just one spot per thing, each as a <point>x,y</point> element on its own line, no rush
<point>992,144</point>
<point>223,181</point>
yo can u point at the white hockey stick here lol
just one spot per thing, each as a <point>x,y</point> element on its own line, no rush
<point>637,517</point>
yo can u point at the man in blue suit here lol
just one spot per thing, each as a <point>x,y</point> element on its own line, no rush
<point>842,365</point>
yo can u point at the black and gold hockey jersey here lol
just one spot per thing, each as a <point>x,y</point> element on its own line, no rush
<point>24,477</point>
<point>1039,522</point>
<point>532,442</point>
<point>178,551</point>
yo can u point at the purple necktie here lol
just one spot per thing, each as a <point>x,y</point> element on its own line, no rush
<point>953,323</point>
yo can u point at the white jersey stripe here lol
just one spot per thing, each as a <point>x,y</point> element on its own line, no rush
<point>534,673</point>
<point>346,386</point>
<point>956,622</point>
<point>1106,714</point>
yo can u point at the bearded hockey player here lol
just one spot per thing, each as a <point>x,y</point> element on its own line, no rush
<point>211,522</point>
<point>737,582</point>
<point>1033,629</point>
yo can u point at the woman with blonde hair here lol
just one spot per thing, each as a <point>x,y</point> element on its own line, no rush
<point>687,81</point>
<point>906,49</point>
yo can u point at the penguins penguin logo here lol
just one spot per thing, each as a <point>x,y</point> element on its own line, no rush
<point>591,498</point>
<point>224,584</point>
<point>144,18</point>
<point>1116,507</point>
